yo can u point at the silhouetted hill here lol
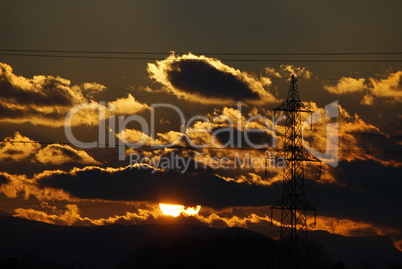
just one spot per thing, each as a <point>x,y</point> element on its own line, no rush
<point>360,251</point>
<point>40,245</point>
<point>107,246</point>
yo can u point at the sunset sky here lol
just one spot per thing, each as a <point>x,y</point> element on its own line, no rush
<point>203,57</point>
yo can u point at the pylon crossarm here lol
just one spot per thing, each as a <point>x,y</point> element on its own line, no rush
<point>298,208</point>
<point>285,107</point>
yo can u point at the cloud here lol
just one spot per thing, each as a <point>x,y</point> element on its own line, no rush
<point>207,81</point>
<point>72,216</point>
<point>245,217</point>
<point>46,100</point>
<point>352,145</point>
<point>141,213</point>
<point>354,137</point>
<point>21,148</point>
<point>89,89</point>
<point>38,91</point>
<point>387,86</point>
<point>164,185</point>
<point>253,178</point>
<point>390,87</point>
<point>127,106</point>
<point>9,150</point>
<point>346,85</point>
<point>347,227</point>
<point>206,188</point>
<point>139,183</point>
<point>21,186</point>
<point>213,133</point>
<point>211,130</point>
<point>230,217</point>
<point>57,154</point>
<point>286,71</point>
<point>368,100</point>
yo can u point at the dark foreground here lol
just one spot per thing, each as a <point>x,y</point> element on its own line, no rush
<point>30,244</point>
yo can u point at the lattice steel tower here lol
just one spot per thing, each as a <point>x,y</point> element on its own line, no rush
<point>293,203</point>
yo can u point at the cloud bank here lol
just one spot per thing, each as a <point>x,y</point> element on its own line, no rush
<point>46,100</point>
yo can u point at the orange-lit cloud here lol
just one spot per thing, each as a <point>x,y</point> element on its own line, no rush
<point>21,186</point>
<point>346,85</point>
<point>22,148</point>
<point>368,100</point>
<point>72,216</point>
<point>244,217</point>
<point>253,178</point>
<point>397,243</point>
<point>352,146</point>
<point>231,217</point>
<point>127,106</point>
<point>207,80</point>
<point>38,91</point>
<point>144,212</point>
<point>235,216</point>
<point>46,100</point>
<point>89,89</point>
<point>286,71</point>
<point>59,154</point>
<point>388,86</point>
<point>347,227</point>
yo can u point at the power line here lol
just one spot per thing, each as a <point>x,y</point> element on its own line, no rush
<point>207,53</point>
<point>229,60</point>
<point>156,146</point>
<point>177,147</point>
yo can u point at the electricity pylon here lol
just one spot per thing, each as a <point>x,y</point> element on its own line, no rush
<point>293,202</point>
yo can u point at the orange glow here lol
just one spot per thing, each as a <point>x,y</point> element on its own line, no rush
<point>176,210</point>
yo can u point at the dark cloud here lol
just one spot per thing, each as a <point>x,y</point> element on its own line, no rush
<point>199,77</point>
<point>361,194</point>
<point>207,80</point>
<point>139,184</point>
<point>366,192</point>
<point>4,179</point>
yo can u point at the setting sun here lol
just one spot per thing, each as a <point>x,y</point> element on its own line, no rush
<point>176,210</point>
